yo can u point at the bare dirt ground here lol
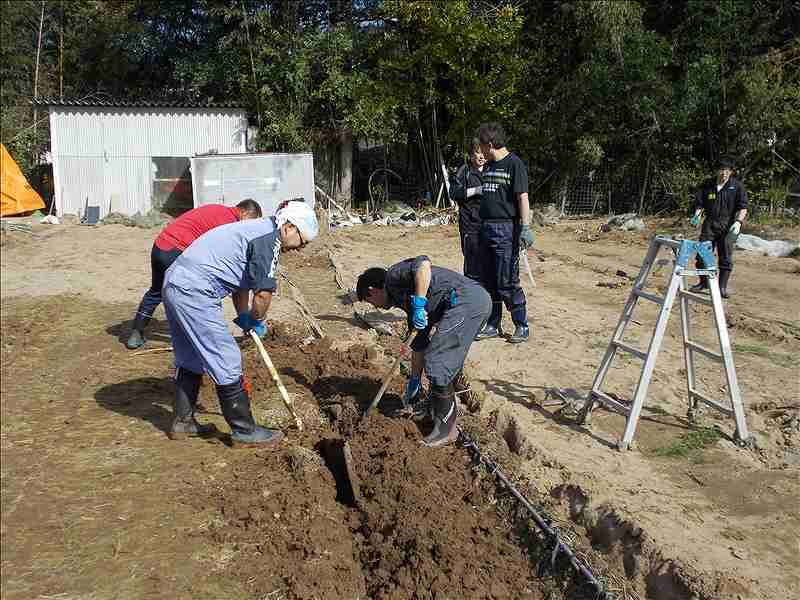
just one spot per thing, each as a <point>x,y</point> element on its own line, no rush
<point>98,503</point>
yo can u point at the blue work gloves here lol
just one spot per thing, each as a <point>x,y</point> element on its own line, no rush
<point>246,321</point>
<point>412,389</point>
<point>695,220</point>
<point>419,316</point>
<point>453,298</point>
<point>526,237</point>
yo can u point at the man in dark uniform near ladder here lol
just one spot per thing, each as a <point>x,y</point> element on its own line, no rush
<point>505,218</point>
<point>724,202</point>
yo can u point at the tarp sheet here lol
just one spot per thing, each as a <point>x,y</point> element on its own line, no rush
<point>16,194</point>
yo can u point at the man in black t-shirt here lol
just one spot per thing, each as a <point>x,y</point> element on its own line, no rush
<point>465,189</point>
<point>504,214</point>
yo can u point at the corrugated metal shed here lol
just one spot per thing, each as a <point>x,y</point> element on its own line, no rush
<point>120,156</point>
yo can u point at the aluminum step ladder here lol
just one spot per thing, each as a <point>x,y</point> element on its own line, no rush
<point>684,251</point>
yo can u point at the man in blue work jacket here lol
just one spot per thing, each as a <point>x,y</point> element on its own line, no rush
<point>237,259</point>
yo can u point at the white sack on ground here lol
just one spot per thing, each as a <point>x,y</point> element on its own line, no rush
<point>776,248</point>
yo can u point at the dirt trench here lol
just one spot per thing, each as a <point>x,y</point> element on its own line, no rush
<point>428,523</point>
<point>425,527</point>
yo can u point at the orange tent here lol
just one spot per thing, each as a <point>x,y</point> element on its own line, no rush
<point>16,194</point>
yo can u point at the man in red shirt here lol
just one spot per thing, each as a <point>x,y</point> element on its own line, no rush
<point>172,241</point>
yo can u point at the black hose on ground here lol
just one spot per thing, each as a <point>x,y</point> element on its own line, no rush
<point>559,547</point>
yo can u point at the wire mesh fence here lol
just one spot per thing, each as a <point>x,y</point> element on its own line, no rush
<point>598,192</point>
<point>391,173</point>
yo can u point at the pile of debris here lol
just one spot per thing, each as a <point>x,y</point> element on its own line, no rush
<point>152,219</point>
<point>546,215</point>
<point>625,222</point>
<point>395,214</point>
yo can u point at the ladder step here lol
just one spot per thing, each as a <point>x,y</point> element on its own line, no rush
<point>704,351</point>
<point>609,402</point>
<point>695,297</point>
<point>647,296</point>
<point>631,350</point>
<point>706,400</point>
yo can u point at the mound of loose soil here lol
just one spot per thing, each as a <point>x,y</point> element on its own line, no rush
<point>280,528</point>
<point>420,534</point>
<point>286,520</point>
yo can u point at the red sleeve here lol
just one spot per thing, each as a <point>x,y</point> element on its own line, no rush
<point>194,223</point>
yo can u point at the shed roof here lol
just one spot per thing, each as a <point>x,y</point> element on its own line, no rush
<point>112,103</point>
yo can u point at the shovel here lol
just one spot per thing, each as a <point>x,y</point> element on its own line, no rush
<point>276,378</point>
<point>524,256</point>
<point>388,377</point>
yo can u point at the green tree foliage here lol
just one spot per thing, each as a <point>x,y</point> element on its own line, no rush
<point>578,84</point>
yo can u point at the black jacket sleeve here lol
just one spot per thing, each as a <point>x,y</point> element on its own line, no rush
<point>458,189</point>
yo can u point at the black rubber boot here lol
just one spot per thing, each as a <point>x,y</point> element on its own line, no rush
<point>136,339</point>
<point>701,286</point>
<point>488,332</point>
<point>235,404</point>
<point>445,415</point>
<point>724,277</point>
<point>187,387</point>
<point>520,335</point>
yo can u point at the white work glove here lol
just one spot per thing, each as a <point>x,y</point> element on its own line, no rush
<point>735,228</point>
<point>474,191</point>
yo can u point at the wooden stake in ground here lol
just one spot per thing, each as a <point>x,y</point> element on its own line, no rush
<point>151,350</point>
<point>276,378</point>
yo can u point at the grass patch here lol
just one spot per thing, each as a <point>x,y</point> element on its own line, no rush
<point>690,442</point>
<point>782,360</point>
<point>751,349</point>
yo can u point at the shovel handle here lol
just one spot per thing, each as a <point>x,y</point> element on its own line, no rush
<point>524,255</point>
<point>389,374</point>
<point>276,378</point>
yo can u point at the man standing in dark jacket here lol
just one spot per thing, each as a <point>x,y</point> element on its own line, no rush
<point>724,202</point>
<point>466,189</point>
<point>505,218</point>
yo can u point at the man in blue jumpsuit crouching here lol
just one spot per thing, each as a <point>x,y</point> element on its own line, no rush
<point>231,259</point>
<point>432,296</point>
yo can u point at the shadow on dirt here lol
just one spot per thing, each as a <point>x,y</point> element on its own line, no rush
<point>525,395</point>
<point>146,398</point>
<point>352,321</point>
<point>157,331</point>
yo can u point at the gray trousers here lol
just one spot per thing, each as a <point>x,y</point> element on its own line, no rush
<point>447,350</point>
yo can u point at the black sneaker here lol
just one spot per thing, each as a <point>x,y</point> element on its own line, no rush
<point>488,332</point>
<point>521,334</point>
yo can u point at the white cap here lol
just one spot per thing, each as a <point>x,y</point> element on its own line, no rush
<point>302,216</point>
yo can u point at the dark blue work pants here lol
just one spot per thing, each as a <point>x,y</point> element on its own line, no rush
<point>499,249</point>
<point>160,261</point>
